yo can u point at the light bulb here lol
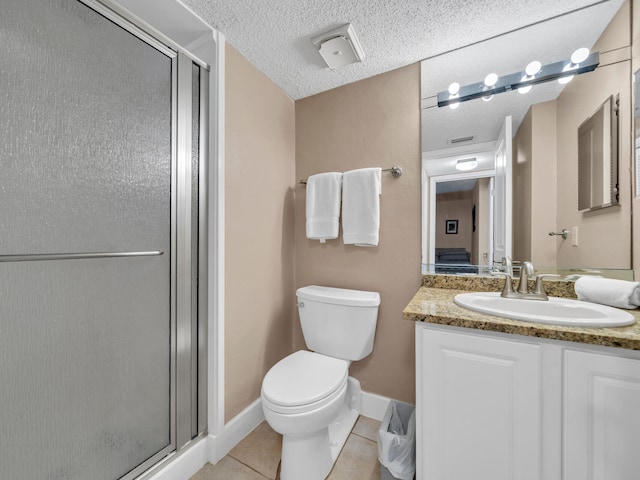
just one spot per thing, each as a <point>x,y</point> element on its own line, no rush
<point>490,80</point>
<point>533,68</point>
<point>454,105</point>
<point>454,88</point>
<point>580,55</point>
<point>567,68</point>
<point>526,88</point>
<point>486,98</point>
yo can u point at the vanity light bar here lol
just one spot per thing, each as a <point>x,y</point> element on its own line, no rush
<point>513,81</point>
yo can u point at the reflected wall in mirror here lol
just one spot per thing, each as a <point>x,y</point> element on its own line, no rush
<point>528,143</point>
<point>636,122</point>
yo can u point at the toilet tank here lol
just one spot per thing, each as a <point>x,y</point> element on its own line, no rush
<point>337,322</point>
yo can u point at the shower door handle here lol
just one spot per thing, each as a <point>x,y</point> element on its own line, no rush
<point>34,257</point>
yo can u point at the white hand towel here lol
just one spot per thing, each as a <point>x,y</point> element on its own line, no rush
<point>323,206</point>
<point>607,291</point>
<point>361,191</point>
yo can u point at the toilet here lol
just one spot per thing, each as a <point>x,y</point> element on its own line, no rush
<point>308,397</point>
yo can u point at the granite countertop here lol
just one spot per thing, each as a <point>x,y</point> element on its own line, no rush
<point>433,303</point>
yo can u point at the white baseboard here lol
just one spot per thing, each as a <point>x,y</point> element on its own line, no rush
<point>185,465</point>
<point>214,447</point>
<point>234,431</point>
<point>374,405</point>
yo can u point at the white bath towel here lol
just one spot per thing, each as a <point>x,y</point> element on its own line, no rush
<point>361,191</point>
<point>607,291</point>
<point>323,206</point>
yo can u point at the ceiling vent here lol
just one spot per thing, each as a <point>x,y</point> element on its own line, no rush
<point>455,141</point>
<point>339,46</point>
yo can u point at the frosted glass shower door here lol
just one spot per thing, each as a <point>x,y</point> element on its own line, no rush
<point>87,165</point>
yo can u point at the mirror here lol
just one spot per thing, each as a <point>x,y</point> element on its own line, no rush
<point>527,143</point>
<point>598,158</point>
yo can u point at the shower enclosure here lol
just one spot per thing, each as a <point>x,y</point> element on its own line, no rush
<point>101,244</point>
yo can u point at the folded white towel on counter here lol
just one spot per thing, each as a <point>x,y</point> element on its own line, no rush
<point>323,206</point>
<point>361,191</point>
<point>608,291</point>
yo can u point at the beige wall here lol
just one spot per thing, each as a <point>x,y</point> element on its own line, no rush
<point>604,235</point>
<point>370,123</point>
<point>521,174</point>
<point>260,177</point>
<point>543,186</point>
<point>534,186</point>
<point>454,206</point>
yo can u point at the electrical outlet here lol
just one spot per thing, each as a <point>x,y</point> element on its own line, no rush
<point>574,236</point>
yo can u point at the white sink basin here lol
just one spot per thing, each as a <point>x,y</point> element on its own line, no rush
<point>556,311</point>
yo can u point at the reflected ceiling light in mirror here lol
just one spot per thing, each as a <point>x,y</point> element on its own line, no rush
<point>454,88</point>
<point>577,57</point>
<point>466,164</point>
<point>533,68</point>
<point>530,72</point>
<point>565,80</point>
<point>489,81</point>
<point>526,89</point>
<point>522,80</point>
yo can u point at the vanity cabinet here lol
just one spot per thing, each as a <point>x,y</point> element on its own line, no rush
<point>478,407</point>
<point>494,406</point>
<point>601,417</point>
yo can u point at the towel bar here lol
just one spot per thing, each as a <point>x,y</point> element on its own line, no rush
<point>73,256</point>
<point>564,233</point>
<point>396,172</point>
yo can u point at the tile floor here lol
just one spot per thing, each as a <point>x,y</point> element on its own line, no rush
<point>258,455</point>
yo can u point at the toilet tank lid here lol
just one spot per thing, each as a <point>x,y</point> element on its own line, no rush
<point>339,296</point>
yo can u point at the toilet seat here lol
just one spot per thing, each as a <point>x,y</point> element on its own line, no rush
<point>304,381</point>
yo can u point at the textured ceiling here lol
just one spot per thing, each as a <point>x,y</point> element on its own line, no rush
<point>274,34</point>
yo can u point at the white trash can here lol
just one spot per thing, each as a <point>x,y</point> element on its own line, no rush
<point>397,442</point>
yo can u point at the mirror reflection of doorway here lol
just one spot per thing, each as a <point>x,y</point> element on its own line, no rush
<point>462,225</point>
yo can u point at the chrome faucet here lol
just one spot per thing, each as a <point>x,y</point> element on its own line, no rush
<point>526,271</point>
<point>523,291</point>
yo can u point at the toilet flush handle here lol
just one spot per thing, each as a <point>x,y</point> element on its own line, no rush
<point>300,304</point>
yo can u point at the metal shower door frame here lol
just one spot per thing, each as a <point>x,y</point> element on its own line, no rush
<point>182,318</point>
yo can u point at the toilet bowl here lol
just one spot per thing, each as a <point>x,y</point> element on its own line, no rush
<point>307,396</point>
<point>301,396</point>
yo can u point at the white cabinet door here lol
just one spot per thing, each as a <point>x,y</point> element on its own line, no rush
<point>601,417</point>
<point>479,407</point>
